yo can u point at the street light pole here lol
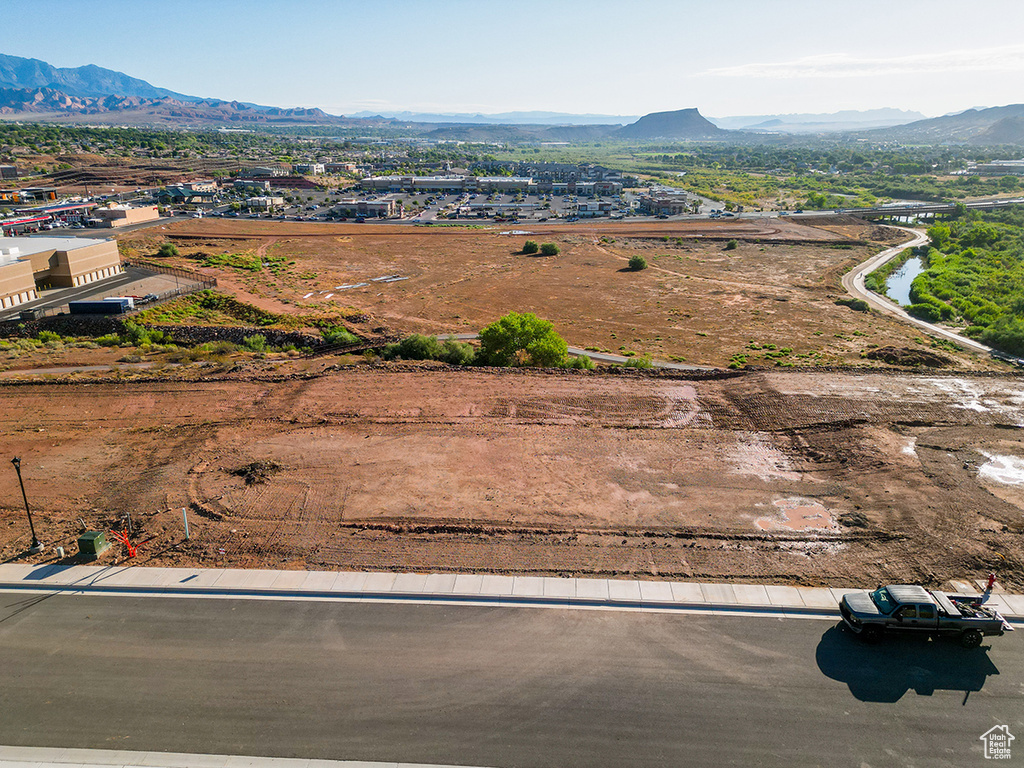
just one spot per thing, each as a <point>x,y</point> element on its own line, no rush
<point>36,545</point>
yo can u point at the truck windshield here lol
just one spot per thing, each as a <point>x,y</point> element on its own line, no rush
<point>881,598</point>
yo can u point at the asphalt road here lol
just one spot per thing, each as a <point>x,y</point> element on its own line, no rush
<point>853,282</point>
<point>490,686</point>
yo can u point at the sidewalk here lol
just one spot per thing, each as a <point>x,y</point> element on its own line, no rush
<point>464,589</point>
<point>38,757</point>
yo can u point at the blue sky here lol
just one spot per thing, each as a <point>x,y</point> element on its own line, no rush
<point>598,56</point>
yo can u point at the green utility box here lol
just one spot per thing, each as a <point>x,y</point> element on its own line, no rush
<point>91,544</point>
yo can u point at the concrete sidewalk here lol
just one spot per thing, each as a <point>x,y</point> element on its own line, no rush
<point>463,589</point>
<point>37,757</point>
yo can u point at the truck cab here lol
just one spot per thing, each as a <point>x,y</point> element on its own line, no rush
<point>914,609</point>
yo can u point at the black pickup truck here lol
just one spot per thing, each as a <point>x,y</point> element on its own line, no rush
<point>905,608</point>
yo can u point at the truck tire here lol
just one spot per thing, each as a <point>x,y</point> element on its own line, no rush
<point>871,634</point>
<point>971,638</point>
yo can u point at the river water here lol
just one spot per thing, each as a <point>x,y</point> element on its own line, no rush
<point>897,287</point>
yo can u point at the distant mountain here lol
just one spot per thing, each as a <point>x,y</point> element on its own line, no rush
<point>846,120</point>
<point>56,106</point>
<point>1009,130</point>
<point>681,124</point>
<point>975,126</point>
<point>503,118</point>
<point>81,82</point>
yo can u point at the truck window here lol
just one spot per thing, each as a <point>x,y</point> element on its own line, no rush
<point>926,611</point>
<point>909,612</point>
<point>881,598</point>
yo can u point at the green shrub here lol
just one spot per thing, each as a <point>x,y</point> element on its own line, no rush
<point>414,347</point>
<point>339,334</point>
<point>255,343</point>
<point>549,249</point>
<point>580,362</point>
<point>457,353</point>
<point>926,312</point>
<point>732,245</point>
<point>644,361</point>
<point>530,246</point>
<point>637,262</point>
<point>858,305</point>
<point>45,336</point>
<point>168,249</point>
<point>418,347</point>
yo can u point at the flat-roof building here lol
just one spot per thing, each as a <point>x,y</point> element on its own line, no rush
<point>124,215</point>
<point>999,168</point>
<point>384,209</point>
<point>29,262</point>
<point>264,202</point>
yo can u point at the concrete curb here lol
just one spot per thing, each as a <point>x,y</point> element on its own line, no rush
<point>36,757</point>
<point>446,589</point>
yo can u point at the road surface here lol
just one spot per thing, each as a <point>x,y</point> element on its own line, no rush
<point>502,687</point>
<point>853,282</point>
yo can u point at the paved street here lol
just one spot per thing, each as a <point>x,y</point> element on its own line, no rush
<point>494,686</point>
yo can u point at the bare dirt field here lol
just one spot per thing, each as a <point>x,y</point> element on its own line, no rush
<point>807,477</point>
<point>698,301</point>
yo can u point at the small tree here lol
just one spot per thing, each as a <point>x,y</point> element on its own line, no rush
<point>168,249</point>
<point>530,247</point>
<point>637,262</point>
<point>521,340</point>
<point>732,245</point>
<point>549,249</point>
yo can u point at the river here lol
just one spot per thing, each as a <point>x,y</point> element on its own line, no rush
<point>897,287</point>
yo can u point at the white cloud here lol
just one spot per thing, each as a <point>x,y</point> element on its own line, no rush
<point>1002,59</point>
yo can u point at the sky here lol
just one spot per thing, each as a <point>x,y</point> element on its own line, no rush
<point>577,56</point>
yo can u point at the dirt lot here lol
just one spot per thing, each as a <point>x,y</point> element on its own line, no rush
<point>802,477</point>
<point>698,301</point>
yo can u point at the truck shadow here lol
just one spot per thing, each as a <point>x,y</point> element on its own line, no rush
<point>886,671</point>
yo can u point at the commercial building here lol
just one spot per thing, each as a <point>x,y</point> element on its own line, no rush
<point>308,169</point>
<point>262,171</point>
<point>663,203</point>
<point>449,184</point>
<point>251,184</point>
<point>415,183</point>
<point>340,167</point>
<point>264,202</point>
<point>186,193</point>
<point>8,172</point>
<point>124,215</point>
<point>504,184</point>
<point>381,209</point>
<point>593,208</point>
<point>28,263</point>
<point>62,213</point>
<point>999,168</point>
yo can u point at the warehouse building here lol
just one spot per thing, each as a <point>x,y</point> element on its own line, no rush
<point>31,263</point>
<point>125,215</point>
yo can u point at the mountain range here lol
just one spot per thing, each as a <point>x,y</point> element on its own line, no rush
<point>82,82</point>
<point>31,89</point>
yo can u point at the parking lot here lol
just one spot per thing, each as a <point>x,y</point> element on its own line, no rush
<point>466,207</point>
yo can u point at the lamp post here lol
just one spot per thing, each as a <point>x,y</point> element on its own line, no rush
<point>36,545</point>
